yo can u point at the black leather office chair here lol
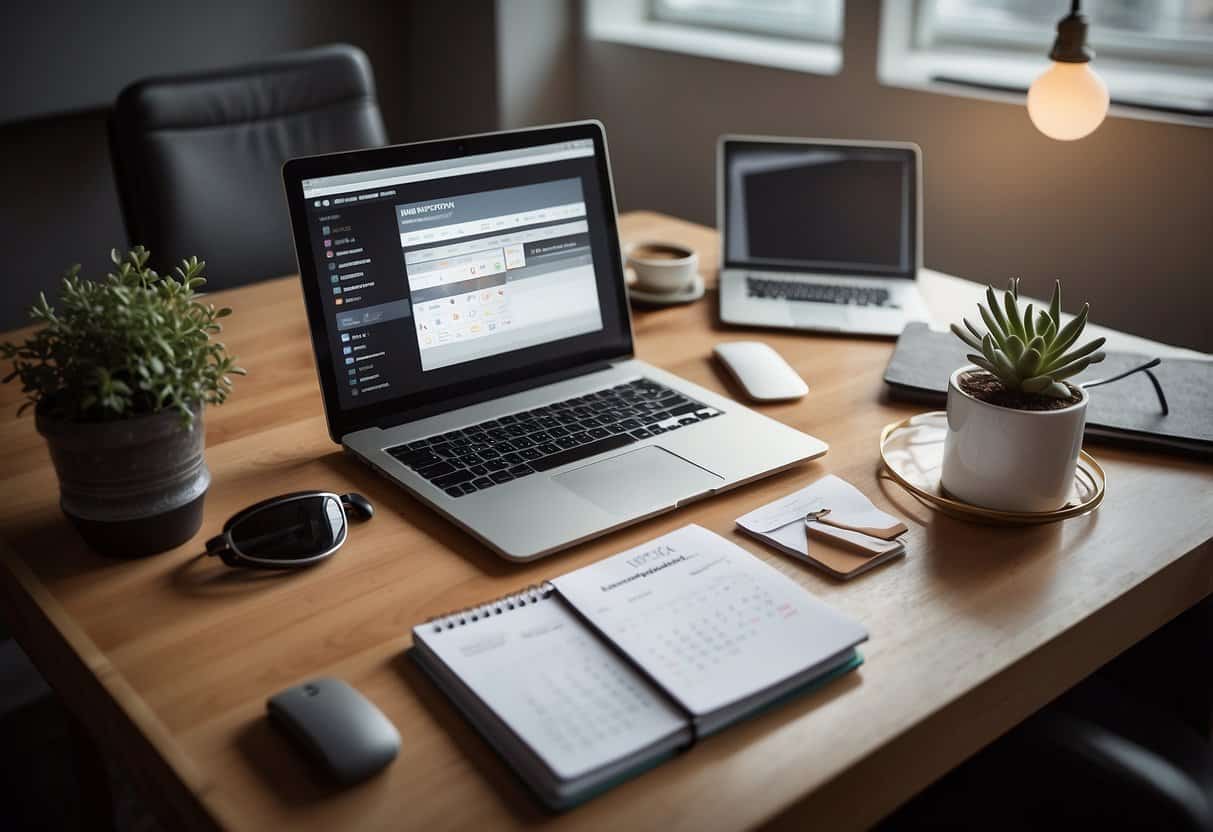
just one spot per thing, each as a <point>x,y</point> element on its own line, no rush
<point>1127,748</point>
<point>198,157</point>
<point>1096,759</point>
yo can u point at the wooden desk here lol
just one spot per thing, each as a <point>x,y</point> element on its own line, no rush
<point>169,660</point>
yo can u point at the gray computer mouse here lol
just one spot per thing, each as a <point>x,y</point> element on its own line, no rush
<point>337,726</point>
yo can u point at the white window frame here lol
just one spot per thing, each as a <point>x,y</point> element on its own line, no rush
<point>999,65</point>
<point>809,27</point>
<point>631,22</point>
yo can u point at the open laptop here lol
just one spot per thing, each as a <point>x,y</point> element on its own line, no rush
<point>473,341</point>
<point>820,234</point>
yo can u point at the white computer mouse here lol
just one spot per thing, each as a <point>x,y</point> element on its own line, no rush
<point>761,371</point>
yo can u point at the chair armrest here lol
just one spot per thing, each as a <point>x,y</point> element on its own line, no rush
<point>1124,764</point>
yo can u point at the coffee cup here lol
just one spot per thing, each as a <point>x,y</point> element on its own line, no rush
<point>663,268</point>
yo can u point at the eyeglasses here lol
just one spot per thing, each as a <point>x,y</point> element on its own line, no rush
<point>290,531</point>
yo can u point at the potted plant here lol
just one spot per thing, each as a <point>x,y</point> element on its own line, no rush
<point>1014,423</point>
<point>118,376</point>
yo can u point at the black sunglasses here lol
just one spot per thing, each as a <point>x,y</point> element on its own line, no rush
<point>289,531</point>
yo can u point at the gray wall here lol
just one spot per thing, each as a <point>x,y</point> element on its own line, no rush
<point>1123,216</point>
<point>69,60</point>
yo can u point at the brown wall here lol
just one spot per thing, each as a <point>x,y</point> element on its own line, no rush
<point>1123,216</point>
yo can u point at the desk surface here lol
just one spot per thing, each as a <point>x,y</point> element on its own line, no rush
<point>170,659</point>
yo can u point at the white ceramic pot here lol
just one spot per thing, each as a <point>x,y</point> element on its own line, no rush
<point>1007,459</point>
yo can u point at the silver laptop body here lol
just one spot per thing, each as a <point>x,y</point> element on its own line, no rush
<point>649,441</point>
<point>542,513</point>
<point>819,234</point>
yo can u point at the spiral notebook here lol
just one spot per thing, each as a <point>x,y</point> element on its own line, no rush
<point>606,671</point>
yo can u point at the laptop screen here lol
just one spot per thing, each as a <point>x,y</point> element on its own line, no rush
<point>818,207</point>
<point>445,274</point>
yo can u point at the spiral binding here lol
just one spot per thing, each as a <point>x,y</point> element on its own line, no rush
<point>532,594</point>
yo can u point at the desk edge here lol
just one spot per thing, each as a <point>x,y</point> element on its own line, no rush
<point>102,700</point>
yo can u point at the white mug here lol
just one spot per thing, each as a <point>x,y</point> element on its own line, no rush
<point>661,267</point>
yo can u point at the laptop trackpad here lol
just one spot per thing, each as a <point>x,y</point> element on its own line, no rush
<point>644,480</point>
<point>821,315</point>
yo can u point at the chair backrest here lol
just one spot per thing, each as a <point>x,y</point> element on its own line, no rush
<point>198,157</point>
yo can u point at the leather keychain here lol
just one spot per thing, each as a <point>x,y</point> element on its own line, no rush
<point>888,533</point>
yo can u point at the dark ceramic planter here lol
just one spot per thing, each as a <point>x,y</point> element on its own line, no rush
<point>132,487</point>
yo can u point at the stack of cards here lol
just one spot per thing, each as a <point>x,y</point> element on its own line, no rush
<point>858,536</point>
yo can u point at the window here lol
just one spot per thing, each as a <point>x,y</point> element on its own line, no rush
<point>819,20</point>
<point>1155,55</point>
<point>803,35</point>
<point>1168,30</point>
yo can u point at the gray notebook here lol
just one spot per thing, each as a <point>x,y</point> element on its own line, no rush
<point>1124,412</point>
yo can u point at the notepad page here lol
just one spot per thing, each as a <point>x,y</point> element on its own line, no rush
<point>847,505</point>
<point>711,623</point>
<point>553,682</point>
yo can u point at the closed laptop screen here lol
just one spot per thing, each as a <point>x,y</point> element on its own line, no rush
<point>820,208</point>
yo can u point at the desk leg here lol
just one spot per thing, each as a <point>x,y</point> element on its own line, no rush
<point>96,798</point>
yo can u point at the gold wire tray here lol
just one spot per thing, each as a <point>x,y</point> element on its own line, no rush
<point>909,447</point>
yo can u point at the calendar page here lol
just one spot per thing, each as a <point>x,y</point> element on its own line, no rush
<point>711,623</point>
<point>556,685</point>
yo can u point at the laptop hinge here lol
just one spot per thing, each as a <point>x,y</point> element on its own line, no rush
<point>447,405</point>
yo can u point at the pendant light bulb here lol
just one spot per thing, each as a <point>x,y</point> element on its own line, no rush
<point>1068,101</point>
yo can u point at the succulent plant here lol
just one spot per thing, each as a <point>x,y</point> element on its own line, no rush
<point>1029,351</point>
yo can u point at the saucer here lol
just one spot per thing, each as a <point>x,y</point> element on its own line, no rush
<point>688,295</point>
<point>912,453</point>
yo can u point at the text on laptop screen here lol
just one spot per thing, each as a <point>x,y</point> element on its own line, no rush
<point>820,208</point>
<point>430,269</point>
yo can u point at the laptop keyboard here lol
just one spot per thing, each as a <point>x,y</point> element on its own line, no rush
<point>759,287</point>
<point>499,450</point>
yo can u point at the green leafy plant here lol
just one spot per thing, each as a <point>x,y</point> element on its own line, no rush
<point>1028,352</point>
<point>133,343</point>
